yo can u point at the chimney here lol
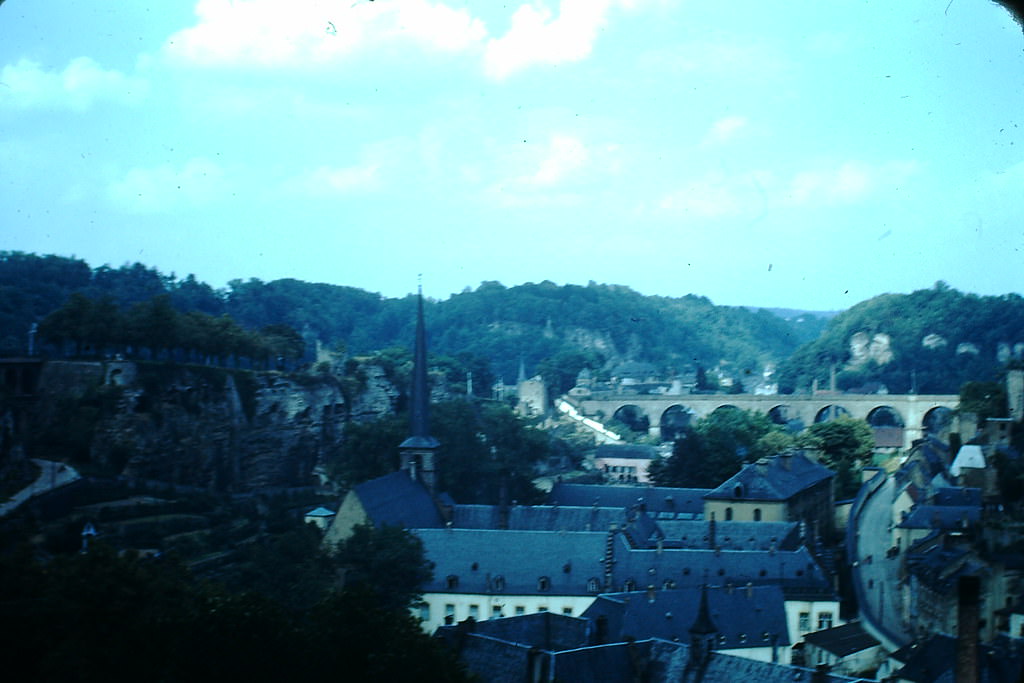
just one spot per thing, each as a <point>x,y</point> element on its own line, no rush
<point>967,618</point>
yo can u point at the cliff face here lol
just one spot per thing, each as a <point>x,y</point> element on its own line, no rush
<point>213,428</point>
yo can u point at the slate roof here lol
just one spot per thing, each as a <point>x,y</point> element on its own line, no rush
<point>570,559</point>
<point>644,567</point>
<point>941,517</point>
<point>396,500</point>
<point>518,558</point>
<point>741,617</point>
<point>546,630</point>
<point>952,495</point>
<point>731,535</point>
<point>772,479</point>
<point>842,641</point>
<point>661,502</point>
<point>934,661</point>
<point>653,660</point>
<point>538,517</point>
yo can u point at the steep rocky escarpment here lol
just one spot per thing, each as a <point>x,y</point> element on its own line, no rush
<point>220,429</point>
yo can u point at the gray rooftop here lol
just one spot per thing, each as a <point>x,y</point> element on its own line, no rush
<point>778,478</point>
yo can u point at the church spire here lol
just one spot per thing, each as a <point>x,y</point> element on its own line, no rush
<point>420,405</point>
<point>417,451</point>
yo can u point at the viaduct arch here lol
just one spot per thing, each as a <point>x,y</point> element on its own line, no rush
<point>912,412</point>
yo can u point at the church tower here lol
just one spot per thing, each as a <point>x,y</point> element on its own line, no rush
<point>419,450</point>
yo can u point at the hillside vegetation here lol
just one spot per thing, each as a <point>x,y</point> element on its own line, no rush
<point>929,341</point>
<point>543,326</point>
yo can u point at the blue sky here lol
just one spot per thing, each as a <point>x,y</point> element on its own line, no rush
<point>799,154</point>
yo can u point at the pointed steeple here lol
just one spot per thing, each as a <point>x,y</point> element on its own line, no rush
<point>420,405</point>
<point>702,633</point>
<point>417,451</point>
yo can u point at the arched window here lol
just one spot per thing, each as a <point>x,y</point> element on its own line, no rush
<point>757,514</point>
<point>728,514</point>
<point>543,583</point>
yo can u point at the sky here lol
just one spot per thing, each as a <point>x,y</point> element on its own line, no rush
<point>781,153</point>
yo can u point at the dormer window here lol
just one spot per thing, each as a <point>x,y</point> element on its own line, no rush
<point>451,582</point>
<point>629,586</point>
<point>499,583</point>
<point>543,583</point>
<point>593,585</point>
<point>737,491</point>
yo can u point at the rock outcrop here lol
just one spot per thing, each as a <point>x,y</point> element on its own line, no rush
<point>213,428</point>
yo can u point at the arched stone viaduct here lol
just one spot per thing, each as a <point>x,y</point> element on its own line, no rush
<point>912,410</point>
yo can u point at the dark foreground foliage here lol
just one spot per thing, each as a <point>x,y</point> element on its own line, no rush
<point>104,617</point>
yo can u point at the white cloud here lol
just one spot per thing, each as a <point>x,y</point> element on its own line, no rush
<point>846,183</point>
<point>565,156</point>
<point>538,36</point>
<point>78,86</point>
<point>158,188</point>
<point>751,193</point>
<point>309,32</point>
<point>538,174</point>
<point>329,181</point>
<point>725,129</point>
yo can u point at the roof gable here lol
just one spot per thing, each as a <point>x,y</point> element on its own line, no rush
<point>778,478</point>
<point>397,500</point>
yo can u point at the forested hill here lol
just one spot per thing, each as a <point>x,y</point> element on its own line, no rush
<point>931,340</point>
<point>551,328</point>
<point>928,341</point>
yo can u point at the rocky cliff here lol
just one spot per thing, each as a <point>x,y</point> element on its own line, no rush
<point>225,430</point>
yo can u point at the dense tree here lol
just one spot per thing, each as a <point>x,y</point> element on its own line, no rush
<point>714,449</point>
<point>845,446</point>
<point>984,399</point>
<point>387,562</point>
<point>102,616</point>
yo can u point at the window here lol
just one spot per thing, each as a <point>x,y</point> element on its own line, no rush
<point>425,611</point>
<point>629,586</point>
<point>542,608</point>
<point>520,610</point>
<point>451,582</point>
<point>474,611</point>
<point>593,585</point>
<point>567,611</point>
<point>728,514</point>
<point>668,584</point>
<point>543,583</point>
<point>499,583</point>
<point>824,620</point>
<point>495,611</point>
<point>805,622</point>
<point>757,514</point>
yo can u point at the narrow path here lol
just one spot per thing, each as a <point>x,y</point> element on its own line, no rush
<point>52,475</point>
